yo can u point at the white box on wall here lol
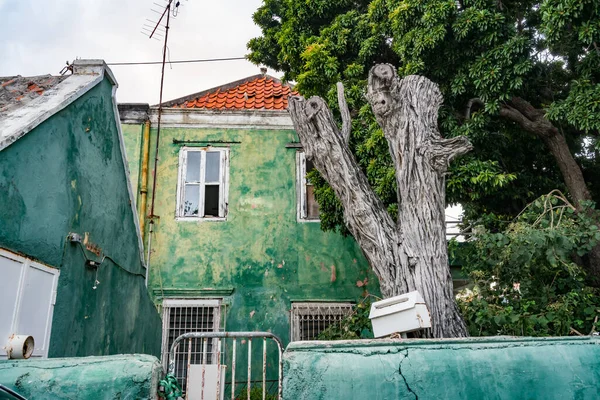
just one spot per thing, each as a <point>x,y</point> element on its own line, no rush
<point>400,314</point>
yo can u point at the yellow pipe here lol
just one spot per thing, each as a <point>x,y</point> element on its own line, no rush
<point>144,188</point>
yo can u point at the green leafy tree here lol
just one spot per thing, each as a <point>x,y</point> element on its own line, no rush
<point>526,282</point>
<point>520,78</point>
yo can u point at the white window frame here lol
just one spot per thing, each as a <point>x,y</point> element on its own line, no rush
<point>26,265</point>
<point>170,303</point>
<point>223,183</point>
<point>315,310</point>
<point>301,183</point>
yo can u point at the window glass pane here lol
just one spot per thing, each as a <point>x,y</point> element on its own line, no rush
<point>312,207</point>
<point>192,200</point>
<point>309,167</point>
<point>211,201</point>
<point>193,166</point>
<point>35,304</point>
<point>213,166</point>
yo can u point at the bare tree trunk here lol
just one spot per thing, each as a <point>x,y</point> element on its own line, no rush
<point>410,254</point>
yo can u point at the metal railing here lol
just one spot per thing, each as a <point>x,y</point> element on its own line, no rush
<point>206,336</point>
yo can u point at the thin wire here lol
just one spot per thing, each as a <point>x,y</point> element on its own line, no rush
<point>178,61</point>
<point>104,256</point>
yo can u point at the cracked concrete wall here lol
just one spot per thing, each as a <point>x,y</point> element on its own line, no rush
<point>474,368</point>
<point>111,377</point>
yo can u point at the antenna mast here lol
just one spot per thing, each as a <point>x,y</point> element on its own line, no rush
<point>167,12</point>
<point>152,34</point>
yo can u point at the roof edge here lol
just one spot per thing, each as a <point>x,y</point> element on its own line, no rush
<point>86,75</point>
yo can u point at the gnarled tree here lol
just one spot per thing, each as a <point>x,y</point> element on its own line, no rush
<point>410,253</point>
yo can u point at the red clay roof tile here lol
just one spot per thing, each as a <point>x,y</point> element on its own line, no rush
<point>254,93</point>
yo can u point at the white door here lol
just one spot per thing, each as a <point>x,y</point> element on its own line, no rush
<point>27,297</point>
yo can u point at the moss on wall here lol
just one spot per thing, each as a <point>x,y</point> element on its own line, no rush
<point>67,175</point>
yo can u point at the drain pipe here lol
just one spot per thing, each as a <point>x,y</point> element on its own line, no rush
<point>150,230</point>
<point>144,188</point>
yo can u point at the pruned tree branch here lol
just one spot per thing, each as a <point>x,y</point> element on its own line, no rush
<point>346,120</point>
<point>410,254</point>
<point>443,151</point>
<point>364,213</point>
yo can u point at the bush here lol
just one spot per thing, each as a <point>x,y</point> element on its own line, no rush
<point>528,279</point>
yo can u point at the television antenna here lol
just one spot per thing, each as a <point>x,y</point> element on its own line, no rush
<point>160,30</point>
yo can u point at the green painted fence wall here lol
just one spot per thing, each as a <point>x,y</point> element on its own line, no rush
<point>67,175</point>
<point>481,368</point>
<point>95,378</point>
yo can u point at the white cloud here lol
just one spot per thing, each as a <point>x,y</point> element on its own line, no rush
<point>39,36</point>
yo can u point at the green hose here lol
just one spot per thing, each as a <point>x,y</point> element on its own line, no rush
<point>169,388</point>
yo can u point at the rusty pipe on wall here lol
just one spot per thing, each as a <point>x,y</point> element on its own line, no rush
<point>144,183</point>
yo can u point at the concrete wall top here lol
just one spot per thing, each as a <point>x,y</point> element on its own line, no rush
<point>473,368</point>
<point>112,377</point>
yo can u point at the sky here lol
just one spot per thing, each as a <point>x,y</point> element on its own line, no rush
<point>37,37</point>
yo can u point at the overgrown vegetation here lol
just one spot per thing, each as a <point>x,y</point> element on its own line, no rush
<point>517,76</point>
<point>527,278</point>
<point>357,325</point>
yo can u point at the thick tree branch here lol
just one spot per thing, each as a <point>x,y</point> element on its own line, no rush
<point>534,121</point>
<point>364,213</point>
<point>470,104</point>
<point>346,120</point>
<point>411,254</point>
<point>517,116</point>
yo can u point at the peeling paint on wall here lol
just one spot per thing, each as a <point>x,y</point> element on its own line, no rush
<point>261,250</point>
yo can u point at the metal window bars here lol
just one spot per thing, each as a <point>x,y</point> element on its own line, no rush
<point>183,316</point>
<point>308,320</point>
<point>219,337</point>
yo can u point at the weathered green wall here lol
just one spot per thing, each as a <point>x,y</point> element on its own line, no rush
<point>483,368</point>
<point>113,377</point>
<point>132,136</point>
<point>67,175</point>
<point>261,251</point>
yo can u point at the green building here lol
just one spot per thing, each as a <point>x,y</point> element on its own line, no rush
<point>73,273</point>
<point>234,238</point>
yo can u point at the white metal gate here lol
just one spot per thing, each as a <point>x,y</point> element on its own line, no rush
<point>211,381</point>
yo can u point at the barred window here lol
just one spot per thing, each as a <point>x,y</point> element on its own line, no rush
<point>183,316</point>
<point>308,320</point>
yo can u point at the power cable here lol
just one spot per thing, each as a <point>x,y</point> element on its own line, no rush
<point>178,61</point>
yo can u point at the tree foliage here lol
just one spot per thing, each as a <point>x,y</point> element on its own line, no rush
<point>526,280</point>
<point>482,54</point>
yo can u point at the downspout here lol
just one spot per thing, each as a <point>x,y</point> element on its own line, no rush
<point>144,189</point>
